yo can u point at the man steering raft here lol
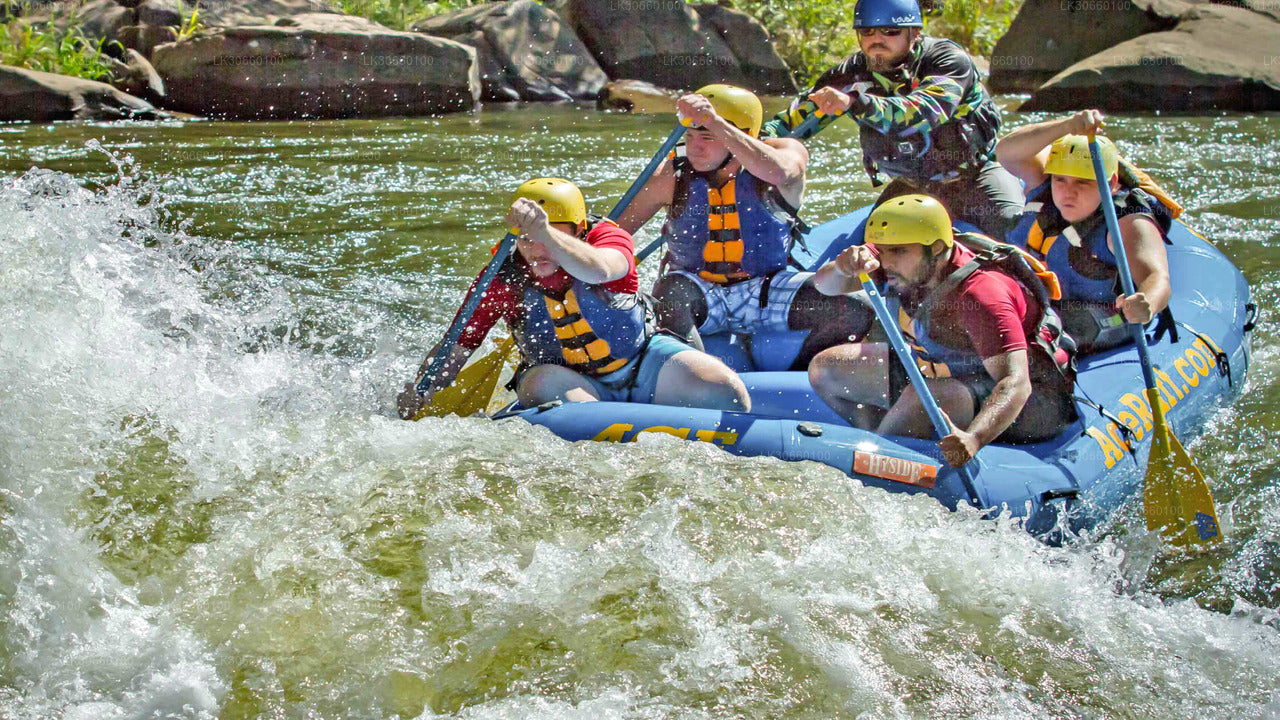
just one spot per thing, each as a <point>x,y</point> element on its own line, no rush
<point>981,325</point>
<point>570,295</point>
<point>1063,224</point>
<point>924,117</point>
<point>732,200</point>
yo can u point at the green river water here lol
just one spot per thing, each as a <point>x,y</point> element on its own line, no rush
<point>208,508</point>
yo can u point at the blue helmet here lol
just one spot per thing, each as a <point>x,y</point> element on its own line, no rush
<point>887,13</point>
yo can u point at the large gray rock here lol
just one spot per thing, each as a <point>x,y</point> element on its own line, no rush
<point>525,51</point>
<point>135,76</point>
<point>1048,36</point>
<point>1218,58</point>
<point>324,66</point>
<point>749,42</point>
<point>30,95</point>
<point>659,41</point>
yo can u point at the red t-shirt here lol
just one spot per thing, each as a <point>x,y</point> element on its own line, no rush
<point>989,311</point>
<point>504,300</point>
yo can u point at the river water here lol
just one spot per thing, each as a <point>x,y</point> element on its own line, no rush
<point>208,508</point>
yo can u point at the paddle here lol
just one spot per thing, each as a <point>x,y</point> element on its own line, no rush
<point>468,309</point>
<point>472,390</point>
<point>1176,497</point>
<point>941,427</point>
<point>804,127</point>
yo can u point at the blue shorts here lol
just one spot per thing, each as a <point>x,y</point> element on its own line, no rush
<point>617,385</point>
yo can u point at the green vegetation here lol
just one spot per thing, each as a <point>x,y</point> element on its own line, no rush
<point>813,35</point>
<point>401,14</point>
<point>44,47</point>
<point>191,25</point>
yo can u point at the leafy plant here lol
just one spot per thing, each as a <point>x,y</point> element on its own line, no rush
<point>44,47</point>
<point>191,25</point>
<point>975,24</point>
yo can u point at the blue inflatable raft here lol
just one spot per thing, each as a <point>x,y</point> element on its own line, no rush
<point>1083,475</point>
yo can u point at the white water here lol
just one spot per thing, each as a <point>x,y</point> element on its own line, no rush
<point>202,517</point>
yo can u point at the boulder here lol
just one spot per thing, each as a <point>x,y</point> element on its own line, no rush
<point>30,95</point>
<point>135,76</point>
<point>525,51</point>
<point>663,42</point>
<point>637,96</point>
<point>323,66</point>
<point>749,42</point>
<point>160,13</point>
<point>1218,58</point>
<point>1048,36</point>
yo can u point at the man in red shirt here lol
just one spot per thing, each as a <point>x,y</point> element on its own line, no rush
<point>982,338</point>
<point>571,297</point>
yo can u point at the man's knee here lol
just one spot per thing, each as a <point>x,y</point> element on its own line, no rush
<point>679,300</point>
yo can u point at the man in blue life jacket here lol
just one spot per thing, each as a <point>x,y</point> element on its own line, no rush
<point>1063,224</point>
<point>926,122</point>
<point>732,200</point>
<point>984,335</point>
<point>571,297</point>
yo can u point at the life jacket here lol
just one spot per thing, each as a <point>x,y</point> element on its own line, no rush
<point>1079,254</point>
<point>585,327</point>
<point>937,359</point>
<point>966,140</point>
<point>741,230</point>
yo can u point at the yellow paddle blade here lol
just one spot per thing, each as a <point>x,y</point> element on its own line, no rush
<point>1176,499</point>
<point>472,390</point>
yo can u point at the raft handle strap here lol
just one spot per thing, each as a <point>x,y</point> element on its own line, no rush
<point>1126,433</point>
<point>1059,494</point>
<point>1251,313</point>
<point>1165,322</point>
<point>1224,362</point>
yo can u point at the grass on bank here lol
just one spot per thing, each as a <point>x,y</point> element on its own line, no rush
<point>40,47</point>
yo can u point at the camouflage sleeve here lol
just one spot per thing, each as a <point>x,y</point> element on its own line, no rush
<point>932,103</point>
<point>786,121</point>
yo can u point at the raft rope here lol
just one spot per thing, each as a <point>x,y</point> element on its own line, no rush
<point>1126,433</point>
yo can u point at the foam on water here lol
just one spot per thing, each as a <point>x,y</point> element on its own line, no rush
<point>208,511</point>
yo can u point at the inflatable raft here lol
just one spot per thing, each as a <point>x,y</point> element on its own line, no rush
<point>1070,483</point>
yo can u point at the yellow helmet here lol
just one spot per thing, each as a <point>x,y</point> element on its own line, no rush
<point>561,199</point>
<point>739,106</point>
<point>908,220</point>
<point>1069,155</point>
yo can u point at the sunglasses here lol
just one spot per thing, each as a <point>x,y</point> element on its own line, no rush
<point>887,32</point>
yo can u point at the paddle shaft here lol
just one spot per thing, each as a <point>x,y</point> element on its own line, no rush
<point>1122,261</point>
<point>804,127</point>
<point>464,315</point>
<point>941,427</point>
<point>667,146</point>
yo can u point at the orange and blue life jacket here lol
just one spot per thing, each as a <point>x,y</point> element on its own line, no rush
<point>586,328</point>
<point>728,234</point>
<point>1078,252</point>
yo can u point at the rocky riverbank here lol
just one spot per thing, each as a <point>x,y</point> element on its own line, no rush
<point>285,59</point>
